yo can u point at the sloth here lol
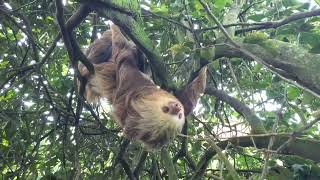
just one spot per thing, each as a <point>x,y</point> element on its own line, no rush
<point>145,112</point>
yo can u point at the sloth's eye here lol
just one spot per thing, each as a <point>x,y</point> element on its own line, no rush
<point>165,109</point>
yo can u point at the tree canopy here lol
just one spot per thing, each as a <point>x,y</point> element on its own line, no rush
<point>258,118</point>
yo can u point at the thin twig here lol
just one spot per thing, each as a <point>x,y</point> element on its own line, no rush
<point>268,154</point>
<point>25,5</point>
<point>235,79</point>
<point>229,166</point>
<point>146,12</point>
<point>213,17</point>
<point>276,24</point>
<point>297,133</point>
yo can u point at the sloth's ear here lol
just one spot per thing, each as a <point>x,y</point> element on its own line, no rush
<point>190,94</point>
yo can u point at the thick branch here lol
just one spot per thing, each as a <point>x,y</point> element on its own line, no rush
<point>292,63</point>
<point>127,169</point>
<point>133,29</point>
<point>65,34</point>
<point>140,164</point>
<point>254,121</point>
<point>297,147</point>
<point>77,17</point>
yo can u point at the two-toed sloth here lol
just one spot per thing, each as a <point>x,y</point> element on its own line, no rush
<point>145,112</point>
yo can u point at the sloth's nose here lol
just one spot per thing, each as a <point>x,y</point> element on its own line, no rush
<point>175,108</point>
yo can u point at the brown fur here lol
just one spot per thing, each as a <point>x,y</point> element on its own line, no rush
<point>103,82</point>
<point>190,94</point>
<point>137,103</point>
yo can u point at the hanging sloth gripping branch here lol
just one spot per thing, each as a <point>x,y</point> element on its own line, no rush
<point>145,112</point>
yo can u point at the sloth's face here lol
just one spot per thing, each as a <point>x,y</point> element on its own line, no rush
<point>173,108</point>
<point>161,118</point>
<point>162,107</point>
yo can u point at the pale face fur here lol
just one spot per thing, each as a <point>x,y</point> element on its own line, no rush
<point>155,126</point>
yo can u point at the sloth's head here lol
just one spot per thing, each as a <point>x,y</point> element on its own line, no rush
<point>162,118</point>
<point>161,108</point>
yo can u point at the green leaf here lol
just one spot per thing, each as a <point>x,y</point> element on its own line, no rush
<point>3,64</point>
<point>256,17</point>
<point>309,38</point>
<point>163,9</point>
<point>221,4</point>
<point>179,48</point>
<point>164,41</point>
<point>5,142</point>
<point>293,93</point>
<point>198,6</point>
<point>9,95</point>
<point>307,98</point>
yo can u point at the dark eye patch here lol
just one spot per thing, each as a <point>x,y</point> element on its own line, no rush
<point>165,109</point>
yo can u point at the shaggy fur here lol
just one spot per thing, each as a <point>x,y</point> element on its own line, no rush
<point>137,103</point>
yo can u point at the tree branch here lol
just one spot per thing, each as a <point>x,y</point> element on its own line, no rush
<point>254,121</point>
<point>146,13</point>
<point>297,147</point>
<point>213,17</point>
<point>134,30</point>
<point>276,24</point>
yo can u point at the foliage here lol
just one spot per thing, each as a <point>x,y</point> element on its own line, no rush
<point>41,138</point>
